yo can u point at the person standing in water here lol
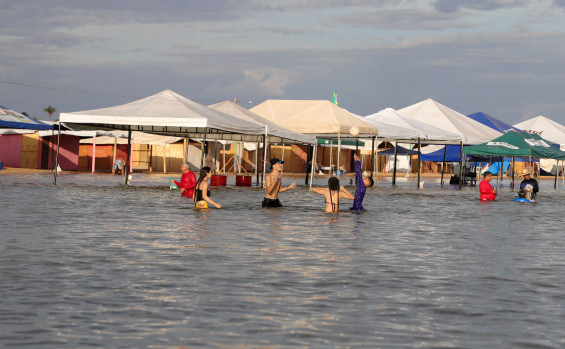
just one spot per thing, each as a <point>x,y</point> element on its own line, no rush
<point>187,181</point>
<point>333,194</point>
<point>362,184</point>
<point>201,192</point>
<point>273,181</point>
<point>487,192</point>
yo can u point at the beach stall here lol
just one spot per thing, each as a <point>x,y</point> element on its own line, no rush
<point>550,130</point>
<point>447,119</point>
<point>278,135</point>
<point>319,118</point>
<point>18,139</point>
<point>517,145</point>
<point>408,130</point>
<point>170,114</point>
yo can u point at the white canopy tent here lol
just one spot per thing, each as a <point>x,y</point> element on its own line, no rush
<point>549,130</point>
<point>320,118</point>
<point>167,113</point>
<point>444,118</point>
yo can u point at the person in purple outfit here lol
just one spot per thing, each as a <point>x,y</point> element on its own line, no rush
<point>362,184</point>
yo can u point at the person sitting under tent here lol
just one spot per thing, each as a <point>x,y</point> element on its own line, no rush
<point>486,190</point>
<point>118,167</point>
<point>528,180</point>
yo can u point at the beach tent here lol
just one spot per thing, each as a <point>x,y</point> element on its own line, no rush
<point>399,126</point>
<point>273,130</point>
<point>444,118</point>
<point>517,144</point>
<point>13,119</point>
<point>315,117</point>
<point>492,122</point>
<point>320,118</point>
<point>545,127</point>
<point>167,113</point>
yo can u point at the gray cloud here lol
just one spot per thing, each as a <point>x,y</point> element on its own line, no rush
<point>450,6</point>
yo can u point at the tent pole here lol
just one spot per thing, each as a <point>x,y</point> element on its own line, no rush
<point>357,152</point>
<point>419,166</point>
<point>309,154</point>
<point>114,156</point>
<point>57,158</point>
<point>257,164</point>
<point>224,155</point>
<point>338,150</point>
<point>556,173</point>
<point>376,163</point>
<point>282,169</point>
<point>203,149</point>
<point>443,164</point>
<point>165,158</point>
<point>126,172</point>
<point>264,156</point>
<point>460,164</point>
<point>131,159</point>
<point>331,156</point>
<point>394,166</point>
<point>512,181</point>
<point>373,156</point>
<point>312,167</point>
<point>150,158</point>
<point>94,153</point>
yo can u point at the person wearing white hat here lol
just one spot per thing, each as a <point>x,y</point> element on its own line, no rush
<point>528,180</point>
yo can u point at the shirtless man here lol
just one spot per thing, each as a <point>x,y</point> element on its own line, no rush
<point>273,181</point>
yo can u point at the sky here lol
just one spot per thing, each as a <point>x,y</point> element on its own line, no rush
<point>502,57</point>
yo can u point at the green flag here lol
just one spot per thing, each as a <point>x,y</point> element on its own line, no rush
<point>334,98</point>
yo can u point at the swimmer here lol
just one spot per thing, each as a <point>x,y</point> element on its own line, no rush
<point>201,192</point>
<point>273,182</point>
<point>333,194</point>
<point>362,184</point>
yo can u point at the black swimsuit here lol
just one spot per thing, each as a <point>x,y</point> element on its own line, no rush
<point>198,195</point>
<point>335,207</point>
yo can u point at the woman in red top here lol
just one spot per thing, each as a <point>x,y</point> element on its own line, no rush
<point>187,181</point>
<point>487,192</point>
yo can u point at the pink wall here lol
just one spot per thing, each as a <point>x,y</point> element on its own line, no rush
<point>68,152</point>
<point>11,150</point>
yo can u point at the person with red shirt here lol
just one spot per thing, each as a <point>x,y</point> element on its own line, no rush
<point>187,181</point>
<point>487,192</point>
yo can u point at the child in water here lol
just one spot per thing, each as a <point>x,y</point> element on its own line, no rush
<point>333,194</point>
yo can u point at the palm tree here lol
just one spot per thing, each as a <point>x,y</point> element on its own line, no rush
<point>50,110</point>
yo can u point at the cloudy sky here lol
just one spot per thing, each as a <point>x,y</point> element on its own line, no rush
<point>502,57</point>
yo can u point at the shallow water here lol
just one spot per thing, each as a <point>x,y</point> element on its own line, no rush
<point>90,263</point>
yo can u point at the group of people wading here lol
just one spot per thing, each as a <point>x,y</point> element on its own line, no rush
<point>528,187</point>
<point>199,191</point>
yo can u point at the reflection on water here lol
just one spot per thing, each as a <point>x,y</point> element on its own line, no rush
<point>92,263</point>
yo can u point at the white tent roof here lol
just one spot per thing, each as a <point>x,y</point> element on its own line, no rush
<point>390,132</point>
<point>444,118</point>
<point>318,117</point>
<point>547,128</point>
<point>84,133</point>
<point>423,130</point>
<point>167,113</point>
<point>273,130</point>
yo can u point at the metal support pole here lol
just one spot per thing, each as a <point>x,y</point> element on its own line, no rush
<point>443,164</point>
<point>203,153</point>
<point>394,165</point>
<point>373,156</point>
<point>308,160</point>
<point>460,165</point>
<point>556,173</point>
<point>312,167</point>
<point>512,181</point>
<point>57,158</point>
<point>338,151</point>
<point>126,172</point>
<point>257,164</point>
<point>419,166</point>
<point>264,156</point>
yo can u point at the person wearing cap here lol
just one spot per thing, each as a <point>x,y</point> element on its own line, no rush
<point>529,180</point>
<point>487,192</point>
<point>273,181</point>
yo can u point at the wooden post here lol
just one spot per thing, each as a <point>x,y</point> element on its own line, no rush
<point>114,156</point>
<point>151,158</point>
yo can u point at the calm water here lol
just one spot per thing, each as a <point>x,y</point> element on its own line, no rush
<point>90,263</point>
